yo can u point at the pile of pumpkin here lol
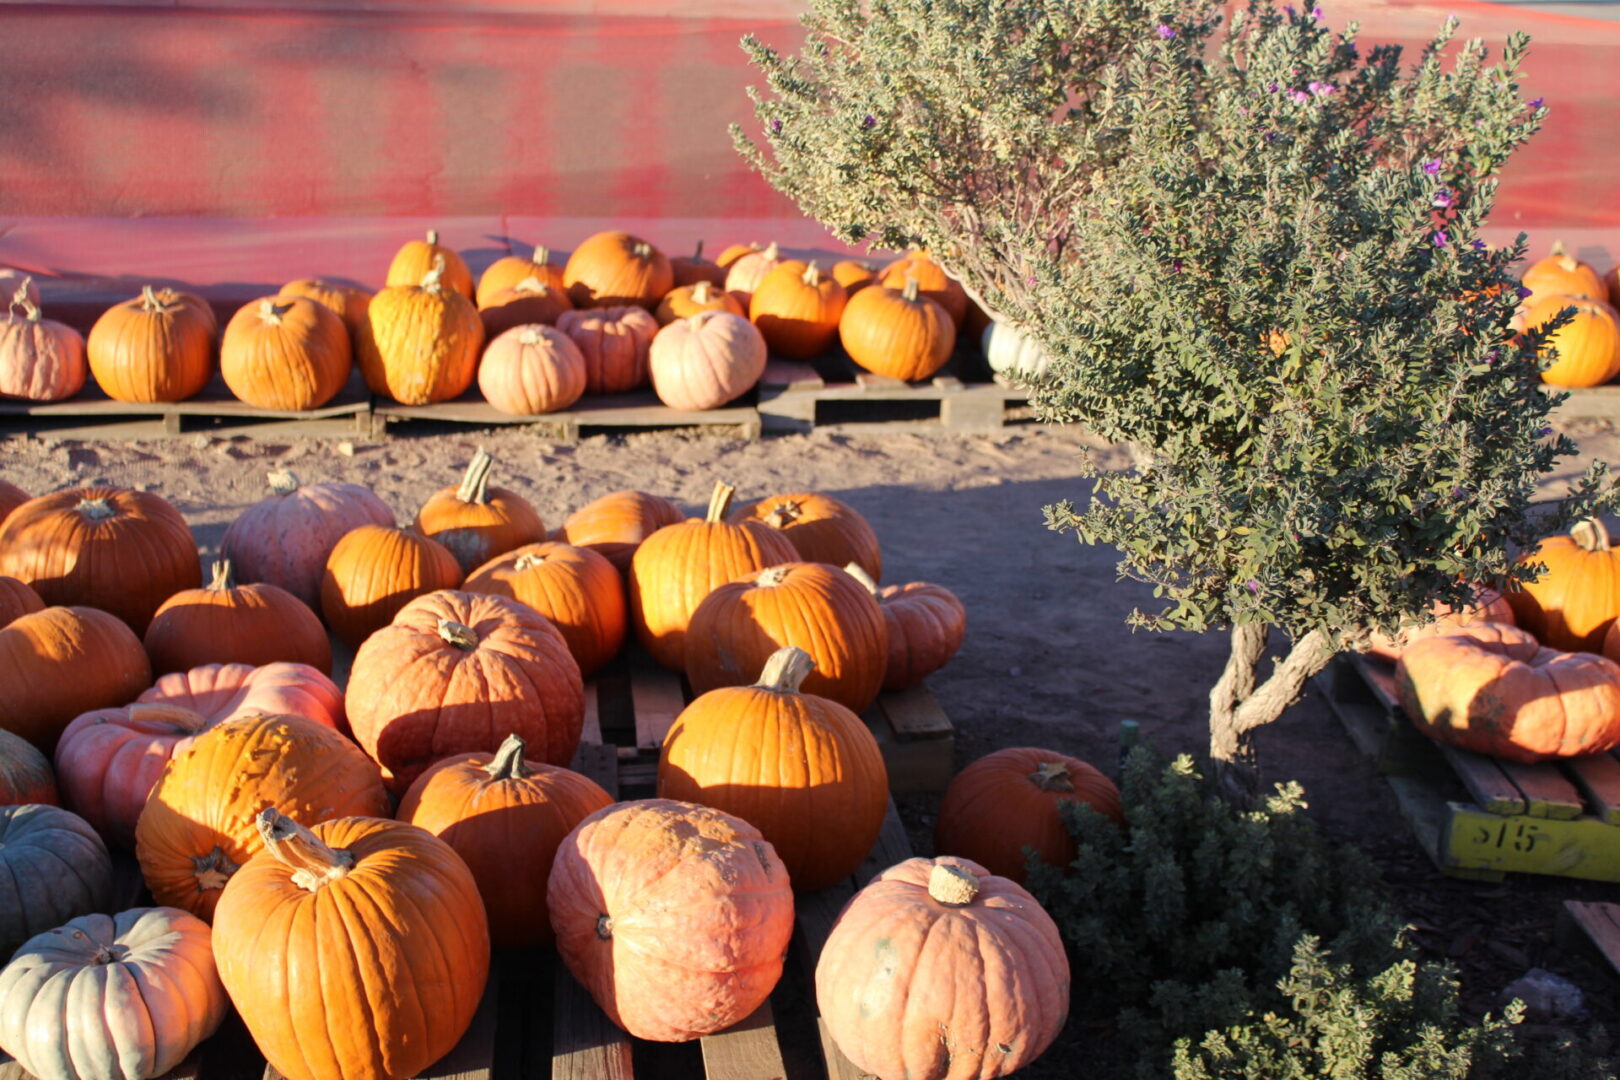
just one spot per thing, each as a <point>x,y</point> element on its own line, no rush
<point>353,934</point>
<point>1588,346</point>
<point>535,336</point>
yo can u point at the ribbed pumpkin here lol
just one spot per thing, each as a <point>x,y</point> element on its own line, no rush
<point>285,538</point>
<point>126,995</point>
<point>854,275</point>
<point>1489,606</point>
<point>285,352</point>
<point>40,359</point>
<point>156,347</point>
<point>939,970</point>
<point>62,661</point>
<point>122,551</point>
<point>706,361</point>
<point>197,827</point>
<point>420,343</point>
<point>17,600</point>
<point>1588,346</point>
<point>347,302</point>
<point>676,567</point>
<point>615,524</point>
<point>927,624</point>
<point>614,269</point>
<point>530,370</point>
<point>744,273</point>
<point>374,571</point>
<point>814,607</point>
<point>615,342</point>
<point>797,309</point>
<point>531,302</point>
<point>109,759</point>
<point>674,916</point>
<point>577,589</point>
<point>1012,354</point>
<point>11,497</point>
<point>456,673</point>
<point>417,258</point>
<point>685,301</point>
<point>505,816</point>
<point>1494,689</point>
<point>478,522</point>
<point>227,623</point>
<point>932,282</point>
<point>896,332</point>
<point>25,773</point>
<point>802,769</point>
<point>507,271</point>
<point>691,269</point>
<point>1009,800</point>
<point>820,528</point>
<point>354,950</point>
<point>1572,604</point>
<point>53,867</point>
<point>1561,274</point>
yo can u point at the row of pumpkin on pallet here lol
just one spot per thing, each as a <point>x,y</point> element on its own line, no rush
<point>1588,346</point>
<point>536,337</point>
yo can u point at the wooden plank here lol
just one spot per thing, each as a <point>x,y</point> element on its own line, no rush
<point>189,1069</point>
<point>641,409</point>
<point>838,1066</point>
<point>972,411</point>
<point>868,381</point>
<point>1547,792</point>
<point>1427,815</point>
<point>892,847</point>
<point>914,765</point>
<point>1379,675</point>
<point>916,713</point>
<point>1493,789</point>
<point>792,376</point>
<point>949,382</point>
<point>1585,848</point>
<point>1598,778</point>
<point>600,763</point>
<point>657,697</point>
<point>1596,924</point>
<point>591,730</point>
<point>745,1051</point>
<point>586,1045</point>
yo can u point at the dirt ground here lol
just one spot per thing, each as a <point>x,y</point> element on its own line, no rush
<point>1048,659</point>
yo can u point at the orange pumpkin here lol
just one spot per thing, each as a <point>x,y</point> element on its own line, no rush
<point>17,600</point>
<point>689,270</point>
<point>25,773</point>
<point>505,817</point>
<point>676,567</point>
<point>197,828</point>
<point>420,342</point>
<point>478,522</point>
<point>355,950</point>
<point>1009,800</point>
<point>374,571</point>
<point>531,370</point>
<point>1496,690</point>
<point>896,332</point>
<point>744,273</point>
<point>457,672</point>
<point>927,625</point>
<point>820,528</point>
<point>528,303</point>
<point>615,524</point>
<point>1587,347</point>
<point>706,361</point>
<point>288,353</point>
<point>802,769</point>
<point>227,623</point>
<point>40,359</point>
<point>854,275</point>
<point>732,252</point>
<point>62,661</point>
<point>348,302</point>
<point>577,589</point>
<point>797,309</point>
<point>675,917</point>
<point>939,970</point>
<point>156,347</point>
<point>122,551</point>
<point>1572,604</point>
<point>11,497</point>
<point>932,282</point>
<point>1489,606</point>
<point>615,269</point>
<point>417,258</point>
<point>509,270</point>
<point>685,301</point>
<point>1561,274</point>
<point>615,342</point>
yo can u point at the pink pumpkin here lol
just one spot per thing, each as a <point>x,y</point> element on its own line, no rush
<point>530,370</point>
<point>707,360</point>
<point>40,360</point>
<point>108,760</point>
<point>614,342</point>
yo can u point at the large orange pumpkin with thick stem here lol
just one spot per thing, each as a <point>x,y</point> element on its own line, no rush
<point>615,342</point>
<point>1561,274</point>
<point>62,661</point>
<point>478,522</point>
<point>196,829</point>
<point>420,342</point>
<point>456,673</point>
<point>505,816</point>
<point>676,568</point>
<point>1494,689</point>
<point>693,268</point>
<point>507,271</point>
<point>674,916</point>
<point>932,282</point>
<point>612,269</point>
<point>1489,606</point>
<point>17,600</point>
<point>347,302</point>
<point>577,589</point>
<point>354,950</point>
<point>940,970</point>
<point>417,257</point>
<point>285,352</point>
<point>797,308</point>
<point>802,769</point>
<point>1009,800</point>
<point>896,332</point>
<point>811,606</point>
<point>122,551</point>
<point>374,571</point>
<point>25,773</point>
<point>156,347</point>
<point>1571,605</point>
<point>820,528</point>
<point>227,623</point>
<point>615,524</point>
<point>11,497</point>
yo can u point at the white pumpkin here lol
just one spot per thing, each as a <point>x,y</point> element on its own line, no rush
<point>111,997</point>
<point>1013,354</point>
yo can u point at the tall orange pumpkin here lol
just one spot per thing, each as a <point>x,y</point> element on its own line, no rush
<point>354,950</point>
<point>197,828</point>
<point>156,347</point>
<point>507,271</point>
<point>417,258</point>
<point>1588,346</point>
<point>613,269</point>
<point>896,332</point>
<point>615,524</point>
<point>122,551</point>
<point>1571,605</point>
<point>62,661</point>
<point>227,623</point>
<point>374,571</point>
<point>420,342</point>
<point>348,302</point>
<point>797,309</point>
<point>820,528</point>
<point>505,817</point>
<point>685,301</point>
<point>25,773</point>
<point>932,282</point>
<point>1561,274</point>
<point>802,769</point>
<point>531,370</point>
<point>615,342</point>
<point>691,269</point>
<point>677,567</point>
<point>285,352</point>
<point>17,600</point>
<point>478,522</point>
<point>577,589</point>
<point>531,302</point>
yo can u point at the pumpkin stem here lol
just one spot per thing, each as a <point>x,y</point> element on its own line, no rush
<point>282,482</point>
<point>542,255</point>
<point>30,311</point>
<point>313,863</point>
<point>433,237</point>
<point>1590,535</point>
<point>475,483</point>
<point>909,292</point>
<point>786,670</point>
<point>508,762</point>
<point>858,572</point>
<point>702,291</point>
<point>812,274</point>
<point>697,256</point>
<point>214,869</point>
<point>223,578</point>
<point>784,514</point>
<point>110,954</point>
<point>531,336</point>
<point>460,635</point>
<point>271,311</point>
<point>529,560</point>
<point>433,280</point>
<point>719,502</point>
<point>531,284</point>
<point>771,577</point>
<point>1052,776</point>
<point>95,509</point>
<point>604,927</point>
<point>641,249</point>
<point>772,253</point>
<point>952,885</point>
<point>149,299</point>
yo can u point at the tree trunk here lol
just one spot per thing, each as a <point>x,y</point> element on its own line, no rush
<point>1238,708</point>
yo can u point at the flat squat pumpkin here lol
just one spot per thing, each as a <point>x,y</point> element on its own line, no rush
<point>821,529</point>
<point>227,623</point>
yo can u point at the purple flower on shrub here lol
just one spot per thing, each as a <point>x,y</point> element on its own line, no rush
<point>1175,266</point>
<point>1290,10</point>
<point>1253,587</point>
<point>1439,239</point>
<point>1432,168</point>
<point>1443,199</point>
<point>1166,32</point>
<point>1477,245</point>
<point>1300,97</point>
<point>1524,293</point>
<point>1458,493</point>
<point>1321,88</point>
<point>1271,88</point>
<point>1350,47</point>
<point>1493,356</point>
<point>869,122</point>
<point>1544,432</point>
<point>1536,104</point>
<point>1271,136</point>
<point>1316,13</point>
<point>776,127</point>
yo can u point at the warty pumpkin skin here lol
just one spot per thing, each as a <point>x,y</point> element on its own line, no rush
<point>939,970</point>
<point>613,269</point>
<point>1494,689</point>
<point>456,673</point>
<point>478,522</point>
<point>802,769</point>
<point>694,268</point>
<point>40,359</point>
<point>896,332</point>
<point>122,551</point>
<point>674,916</point>
<point>1588,346</point>
<point>797,308</point>
<point>374,571</point>
<point>53,867</point>
<point>531,302</point>
<point>156,347</point>
<point>507,271</point>
<point>11,497</point>
<point>1561,274</point>
<point>684,301</point>
<point>197,829</point>
<point>578,590</point>
<point>25,773</point>
<point>705,361</point>
<point>615,524</point>
<point>227,623</point>
<point>17,600</point>
<point>420,343</point>
<point>1009,800</point>
<point>355,950</point>
<point>111,996</point>
<point>676,568</point>
<point>926,625</point>
<point>62,661</point>
<point>347,302</point>
<point>615,342</point>
<point>820,528</point>
<point>505,816</point>
<point>285,352</point>
<point>530,370</point>
<point>1571,605</point>
<point>417,258</point>
<point>932,282</point>
<point>1489,606</point>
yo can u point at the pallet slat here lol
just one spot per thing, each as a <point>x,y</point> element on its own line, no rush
<point>1547,793</point>
<point>916,712</point>
<point>658,699</point>
<point>1585,848</point>
<point>1495,792</point>
<point>746,1050</point>
<point>1597,923</point>
<point>586,1045</point>
<point>1598,777</point>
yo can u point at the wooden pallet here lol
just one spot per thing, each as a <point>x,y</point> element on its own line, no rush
<point>1591,926</point>
<point>640,409</point>
<point>1477,816</point>
<point>795,397</point>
